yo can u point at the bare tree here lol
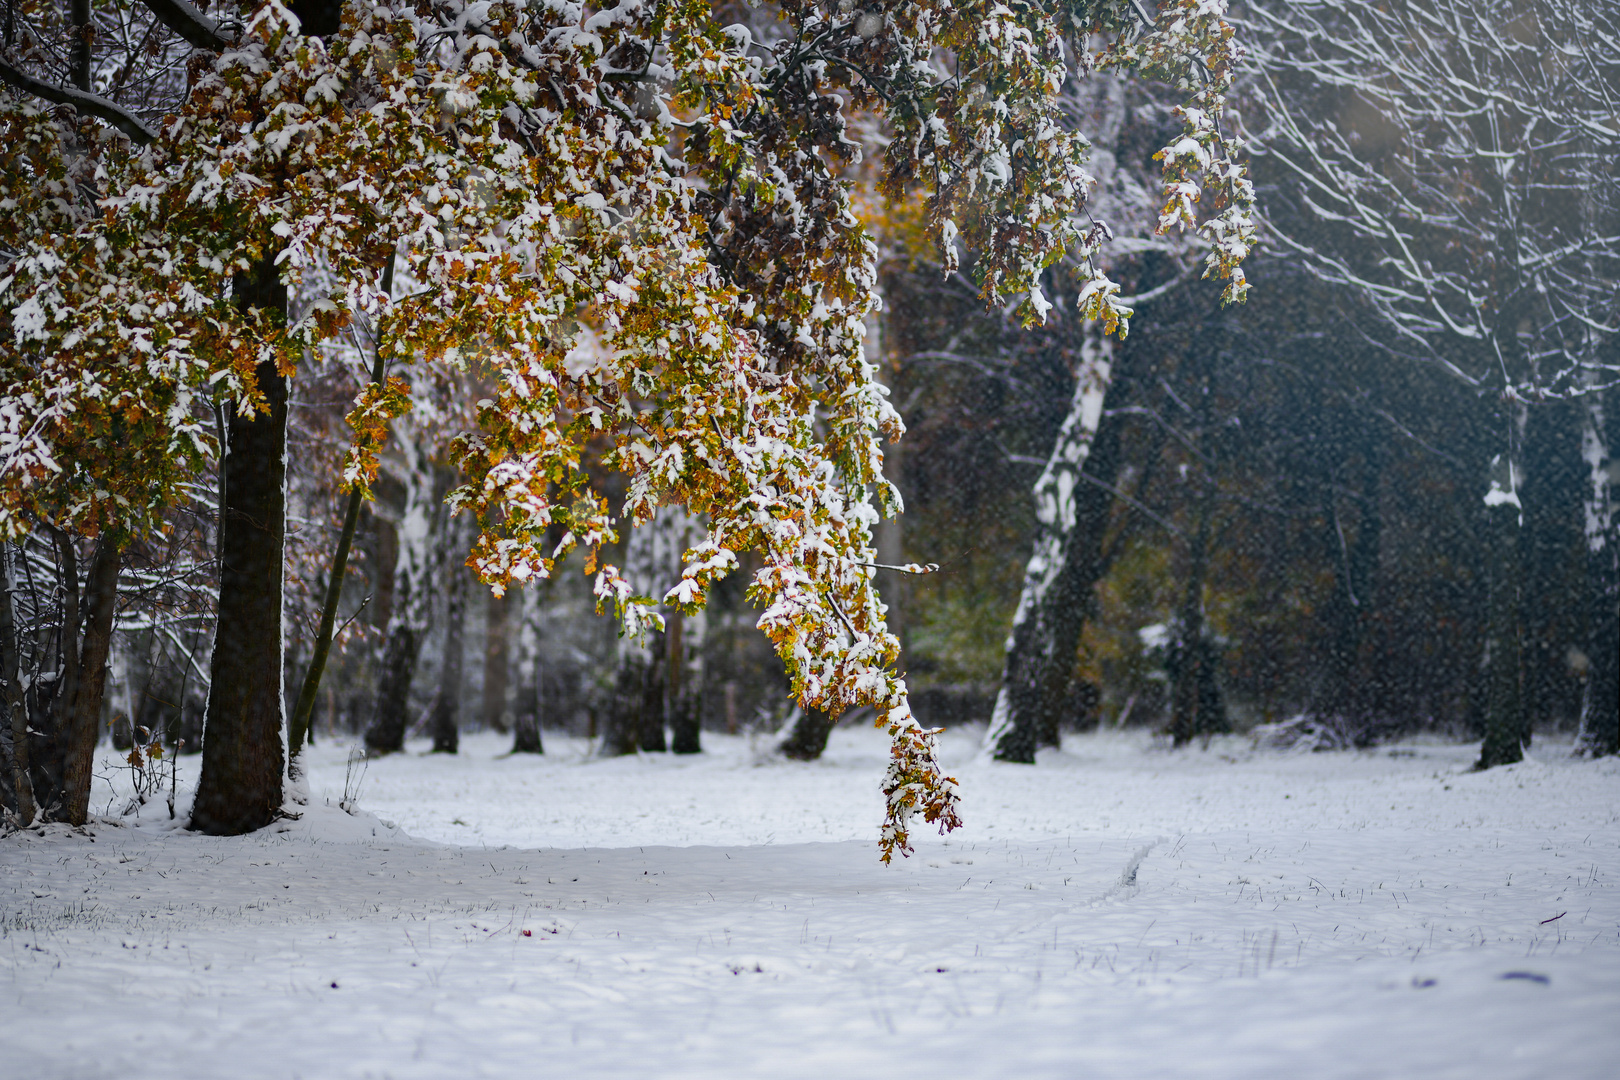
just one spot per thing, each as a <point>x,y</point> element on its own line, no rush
<point>1455,163</point>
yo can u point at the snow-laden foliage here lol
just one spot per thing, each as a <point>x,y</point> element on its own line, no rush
<point>542,169</point>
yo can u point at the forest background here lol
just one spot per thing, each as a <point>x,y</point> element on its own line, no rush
<point>1288,515</point>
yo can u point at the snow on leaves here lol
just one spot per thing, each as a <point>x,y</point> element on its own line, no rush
<point>633,222</point>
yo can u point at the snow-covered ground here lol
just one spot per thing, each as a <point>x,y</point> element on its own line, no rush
<point>1116,911</point>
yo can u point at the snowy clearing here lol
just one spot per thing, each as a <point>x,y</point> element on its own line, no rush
<point>1115,911</point>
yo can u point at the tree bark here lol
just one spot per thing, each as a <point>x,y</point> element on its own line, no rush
<point>240,789</point>
<point>1341,695</point>
<point>1195,707</point>
<point>1600,703</point>
<point>808,739</point>
<point>386,732</point>
<point>1058,580</point>
<point>497,714</point>
<point>531,669</point>
<point>654,687</point>
<point>1551,560</point>
<point>621,727</point>
<point>22,782</point>
<point>447,703</point>
<point>1504,721</point>
<point>685,706</point>
<point>83,31</point>
<point>413,571</point>
<point>101,598</point>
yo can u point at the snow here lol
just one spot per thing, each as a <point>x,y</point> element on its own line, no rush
<point>1115,911</point>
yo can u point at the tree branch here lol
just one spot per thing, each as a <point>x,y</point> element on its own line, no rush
<point>116,115</point>
<point>189,23</point>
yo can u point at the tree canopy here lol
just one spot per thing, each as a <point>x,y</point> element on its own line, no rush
<point>676,183</point>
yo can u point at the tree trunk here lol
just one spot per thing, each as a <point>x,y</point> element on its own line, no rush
<point>1195,703</point>
<point>1504,720</point>
<point>412,585</point>
<point>808,739</point>
<point>1600,705</point>
<point>240,788</point>
<point>621,726</point>
<point>101,599</point>
<point>447,703</point>
<point>654,686</point>
<point>22,783</point>
<point>685,706</point>
<point>497,712</point>
<point>83,31</point>
<point>1072,516</point>
<point>531,669</point>
<point>1342,695</point>
<point>1551,560</point>
<point>386,732</point>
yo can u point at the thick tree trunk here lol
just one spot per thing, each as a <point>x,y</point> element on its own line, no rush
<point>447,703</point>
<point>685,705</point>
<point>1600,705</point>
<point>16,703</point>
<point>1504,719</point>
<point>808,739</point>
<point>497,711</point>
<point>1072,517</point>
<point>240,789</point>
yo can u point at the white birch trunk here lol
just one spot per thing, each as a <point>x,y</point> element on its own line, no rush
<point>1055,513</point>
<point>1601,701</point>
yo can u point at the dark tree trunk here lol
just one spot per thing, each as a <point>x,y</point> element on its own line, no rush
<point>1195,702</point>
<point>79,50</point>
<point>1551,561</point>
<point>685,693</point>
<point>447,703</point>
<point>16,703</point>
<point>654,687</point>
<point>386,732</point>
<point>1600,705</point>
<point>531,672</point>
<point>1342,696</point>
<point>80,726</point>
<point>526,732</point>
<point>240,788</point>
<point>1041,649</point>
<point>621,724</point>
<point>497,663</point>
<point>1504,708</point>
<point>808,739</point>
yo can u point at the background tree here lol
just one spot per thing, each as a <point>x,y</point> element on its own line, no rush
<point>1453,164</point>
